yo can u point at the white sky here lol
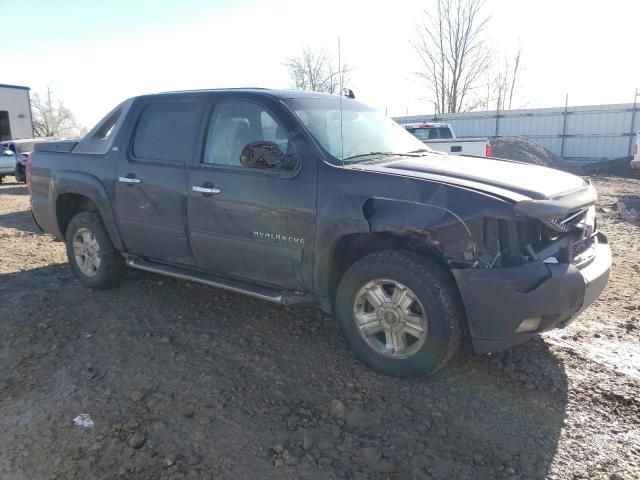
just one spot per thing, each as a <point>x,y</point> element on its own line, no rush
<point>95,55</point>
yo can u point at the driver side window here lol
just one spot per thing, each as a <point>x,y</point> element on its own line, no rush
<point>233,125</point>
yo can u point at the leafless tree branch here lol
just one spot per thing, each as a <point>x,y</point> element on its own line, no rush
<point>316,71</point>
<point>514,74</point>
<point>505,80</point>
<point>52,118</point>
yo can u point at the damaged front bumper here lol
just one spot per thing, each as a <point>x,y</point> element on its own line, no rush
<point>507,306</point>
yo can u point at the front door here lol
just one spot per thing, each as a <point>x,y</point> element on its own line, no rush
<point>251,223</point>
<point>152,178</point>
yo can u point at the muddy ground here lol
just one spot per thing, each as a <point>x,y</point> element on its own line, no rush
<point>186,381</point>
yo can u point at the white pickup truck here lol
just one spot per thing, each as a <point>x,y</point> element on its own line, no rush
<point>440,137</point>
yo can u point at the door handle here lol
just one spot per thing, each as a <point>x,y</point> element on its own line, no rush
<point>129,180</point>
<point>208,190</point>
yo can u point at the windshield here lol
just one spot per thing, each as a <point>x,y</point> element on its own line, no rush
<point>366,133</point>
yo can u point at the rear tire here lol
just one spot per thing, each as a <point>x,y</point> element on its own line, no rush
<point>20,178</point>
<point>91,254</point>
<point>400,313</point>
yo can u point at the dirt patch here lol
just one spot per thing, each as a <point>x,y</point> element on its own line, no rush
<point>524,150</point>
<point>620,167</point>
<point>160,378</point>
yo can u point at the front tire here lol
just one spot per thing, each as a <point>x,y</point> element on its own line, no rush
<point>92,256</point>
<point>400,313</point>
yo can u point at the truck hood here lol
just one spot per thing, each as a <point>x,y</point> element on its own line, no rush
<point>487,174</point>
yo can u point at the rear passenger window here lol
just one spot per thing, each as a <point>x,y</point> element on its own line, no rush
<point>167,132</point>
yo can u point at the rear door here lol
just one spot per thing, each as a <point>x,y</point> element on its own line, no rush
<point>251,223</point>
<point>152,178</point>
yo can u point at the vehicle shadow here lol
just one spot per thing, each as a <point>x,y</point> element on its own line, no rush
<point>222,369</point>
<point>21,220</point>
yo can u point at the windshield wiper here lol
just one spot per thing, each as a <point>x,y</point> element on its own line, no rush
<point>386,154</point>
<point>370,154</point>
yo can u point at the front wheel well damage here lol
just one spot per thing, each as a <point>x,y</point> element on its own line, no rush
<point>69,205</point>
<point>351,248</point>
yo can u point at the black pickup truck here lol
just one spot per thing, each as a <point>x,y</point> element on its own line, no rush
<point>309,199</point>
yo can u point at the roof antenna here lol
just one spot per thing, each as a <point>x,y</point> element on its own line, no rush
<point>341,134</point>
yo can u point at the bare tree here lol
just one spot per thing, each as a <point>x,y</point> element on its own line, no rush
<point>316,71</point>
<point>453,52</point>
<point>505,81</point>
<point>51,118</point>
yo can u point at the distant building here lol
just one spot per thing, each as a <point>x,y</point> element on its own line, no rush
<point>15,113</point>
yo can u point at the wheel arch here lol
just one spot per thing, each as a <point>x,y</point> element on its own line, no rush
<point>353,226</point>
<point>350,248</point>
<point>77,192</point>
<point>70,204</point>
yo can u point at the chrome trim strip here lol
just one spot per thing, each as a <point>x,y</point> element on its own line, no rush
<point>183,276</point>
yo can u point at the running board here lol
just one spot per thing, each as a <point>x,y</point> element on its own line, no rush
<point>264,293</point>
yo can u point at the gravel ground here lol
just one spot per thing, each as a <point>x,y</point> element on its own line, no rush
<point>181,380</point>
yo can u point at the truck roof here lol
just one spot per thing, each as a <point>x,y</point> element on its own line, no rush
<point>276,93</point>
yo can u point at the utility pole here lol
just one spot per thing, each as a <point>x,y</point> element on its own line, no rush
<point>632,132</point>
<point>341,93</point>
<point>564,124</point>
<point>488,91</point>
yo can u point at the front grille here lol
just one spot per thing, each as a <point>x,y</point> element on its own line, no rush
<point>518,242</point>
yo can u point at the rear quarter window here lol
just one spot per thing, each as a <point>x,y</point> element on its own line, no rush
<point>431,133</point>
<point>167,132</point>
<point>101,137</point>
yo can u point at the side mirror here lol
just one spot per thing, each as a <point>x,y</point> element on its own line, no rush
<point>7,152</point>
<point>266,155</point>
